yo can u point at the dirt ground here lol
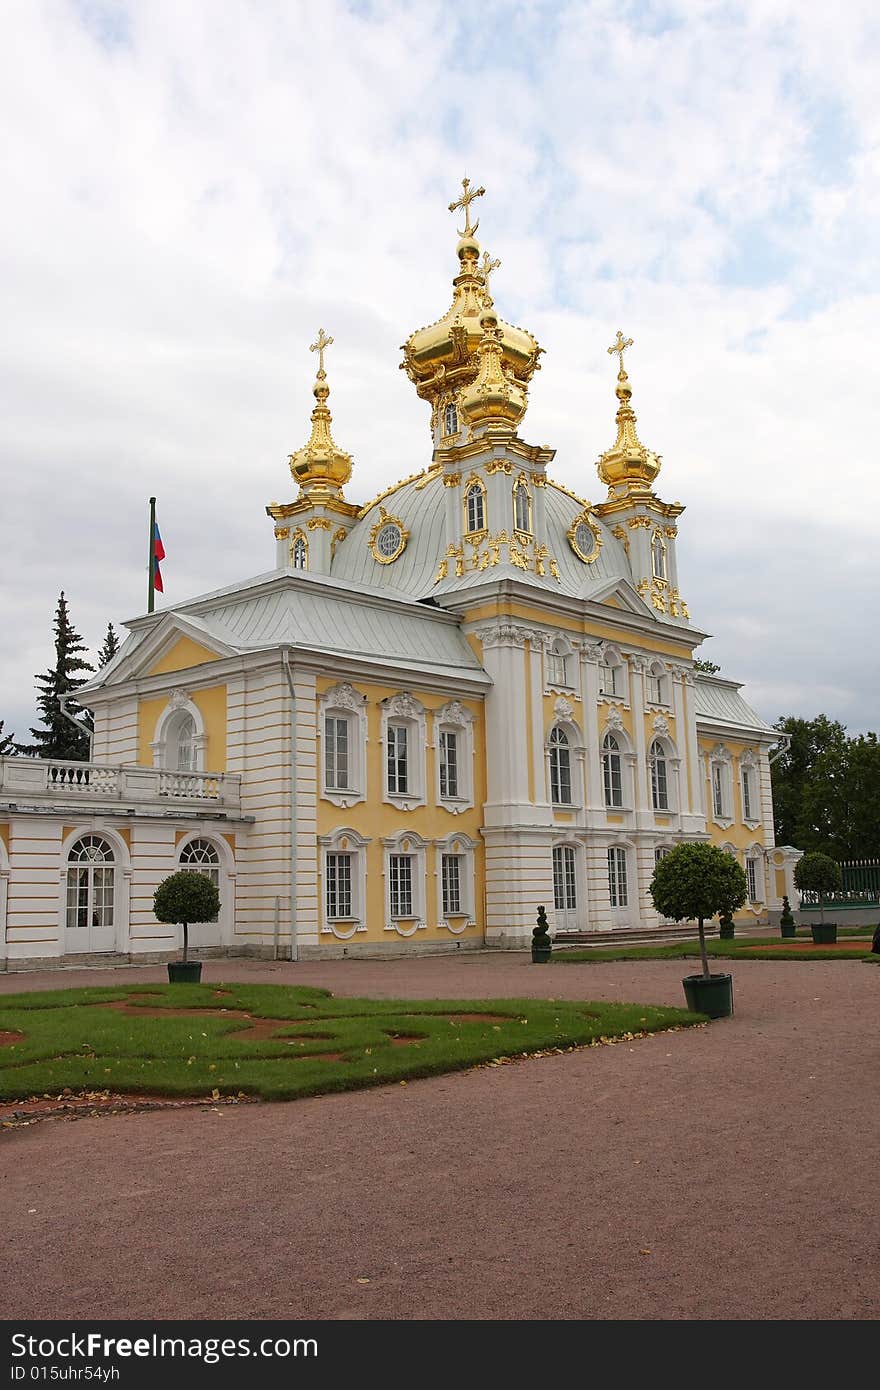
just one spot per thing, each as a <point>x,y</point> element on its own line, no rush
<point>714,1173</point>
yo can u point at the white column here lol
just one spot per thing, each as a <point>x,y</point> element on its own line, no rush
<point>686,803</point>
<point>643,808</point>
<point>590,655</point>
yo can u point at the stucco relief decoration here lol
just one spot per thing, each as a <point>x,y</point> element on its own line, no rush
<point>563,709</point>
<point>454,713</point>
<point>178,699</point>
<point>593,651</point>
<point>504,634</point>
<point>344,696</point>
<point>660,726</point>
<point>404,706</point>
<point>615,722</point>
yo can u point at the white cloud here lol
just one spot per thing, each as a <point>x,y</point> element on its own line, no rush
<point>195,190</point>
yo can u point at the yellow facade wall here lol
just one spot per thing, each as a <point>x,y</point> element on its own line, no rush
<point>184,654</point>
<point>586,627</point>
<point>377,820</point>
<point>211,704</point>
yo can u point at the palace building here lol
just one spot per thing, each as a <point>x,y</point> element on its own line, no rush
<point>437,711</point>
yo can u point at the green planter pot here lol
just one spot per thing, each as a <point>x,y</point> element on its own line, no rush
<point>726,933</point>
<point>540,955</point>
<point>182,972</point>
<point>788,933</point>
<point>824,933</point>
<point>713,996</point>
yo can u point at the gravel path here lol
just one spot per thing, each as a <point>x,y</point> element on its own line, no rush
<point>723,1172</point>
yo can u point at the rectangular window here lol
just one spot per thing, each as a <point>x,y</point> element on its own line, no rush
<point>400,873</point>
<point>448,763</point>
<point>659,789</point>
<point>659,854</point>
<point>398,773</point>
<point>556,672</point>
<point>718,789</point>
<point>747,794</point>
<point>451,881</point>
<point>655,690</point>
<point>339,886</point>
<point>617,877</point>
<point>752,877</point>
<point>609,680</point>
<point>564,881</point>
<point>336,761</point>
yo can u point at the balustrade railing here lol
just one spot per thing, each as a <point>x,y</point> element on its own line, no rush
<point>46,779</point>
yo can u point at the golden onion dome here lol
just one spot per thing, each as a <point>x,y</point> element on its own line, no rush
<point>320,461</point>
<point>443,357</point>
<point>493,395</point>
<point>627,467</point>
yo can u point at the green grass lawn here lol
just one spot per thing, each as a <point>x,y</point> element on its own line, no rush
<point>279,1042</point>
<point>850,947</point>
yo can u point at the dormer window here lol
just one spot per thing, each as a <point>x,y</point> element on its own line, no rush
<point>658,556</point>
<point>522,508</point>
<point>450,419</point>
<point>475,508</point>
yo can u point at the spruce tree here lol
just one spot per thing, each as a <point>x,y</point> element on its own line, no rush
<point>59,738</point>
<point>110,647</point>
<point>7,743</point>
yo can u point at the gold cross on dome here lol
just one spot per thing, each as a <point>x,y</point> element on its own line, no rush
<point>621,346</point>
<point>465,201</point>
<point>487,265</point>
<point>322,342</point>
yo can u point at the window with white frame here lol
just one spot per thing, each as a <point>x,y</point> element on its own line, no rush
<point>397,759</point>
<point>522,507</point>
<point>450,419</point>
<point>564,879</point>
<point>720,784</point>
<point>342,727</point>
<point>611,676</point>
<point>338,886</point>
<point>299,553</point>
<point>657,685</point>
<point>612,778</point>
<point>184,753</point>
<point>401,869</point>
<point>659,776</point>
<point>451,876</point>
<point>559,663</point>
<point>475,507</point>
<point>91,867</point>
<point>454,740</point>
<point>753,879</point>
<point>660,852</point>
<point>201,857</point>
<point>560,767</point>
<point>658,556</point>
<point>404,738</point>
<point>748,782</point>
<point>617,882</point>
<point>180,739</point>
<point>344,874</point>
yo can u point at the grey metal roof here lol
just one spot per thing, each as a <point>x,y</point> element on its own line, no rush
<point>719,701</point>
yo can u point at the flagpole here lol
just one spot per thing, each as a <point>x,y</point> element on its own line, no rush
<point>151,590</point>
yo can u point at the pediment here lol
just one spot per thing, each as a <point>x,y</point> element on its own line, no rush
<point>176,644</point>
<point>622,595</point>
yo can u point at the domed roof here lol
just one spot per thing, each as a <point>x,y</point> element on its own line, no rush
<point>416,509</point>
<point>443,357</point>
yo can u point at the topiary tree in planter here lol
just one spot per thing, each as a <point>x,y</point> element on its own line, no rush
<point>786,919</point>
<point>818,873</point>
<point>696,881</point>
<point>185,897</point>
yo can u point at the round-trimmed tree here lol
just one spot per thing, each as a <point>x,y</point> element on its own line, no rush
<point>186,897</point>
<point>818,873</point>
<point>698,881</point>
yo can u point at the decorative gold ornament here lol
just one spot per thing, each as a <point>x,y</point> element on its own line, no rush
<point>670,531</point>
<point>499,466</point>
<point>338,535</point>
<point>635,522</point>
<point>493,397</point>
<point>388,538</point>
<point>451,479</point>
<point>320,467</point>
<point>538,479</point>
<point>319,347</point>
<point>467,197</point>
<point>282,533</point>
<point>585,538</point>
<point>487,265</point>
<point>628,468</point>
<point>621,535</point>
<point>319,523</point>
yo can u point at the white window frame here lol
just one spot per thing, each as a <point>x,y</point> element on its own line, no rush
<point>657,686</point>
<point>403,710</point>
<point>605,756</point>
<point>615,856</point>
<point>450,428</point>
<point>299,547</point>
<point>455,718</point>
<point>559,665</point>
<point>569,852</point>
<point>164,747</point>
<point>662,747</point>
<point>522,489</point>
<point>342,701</point>
<point>406,842</point>
<point>749,788</point>
<point>721,786</point>
<point>658,545</point>
<point>472,484</point>
<point>613,670</point>
<point>464,848</point>
<point>574,746</point>
<point>344,840</point>
<point>121,881</point>
<point>755,876</point>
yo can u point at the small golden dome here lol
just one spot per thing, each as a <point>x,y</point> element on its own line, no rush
<point>320,462</point>
<point>494,395</point>
<point>627,467</point>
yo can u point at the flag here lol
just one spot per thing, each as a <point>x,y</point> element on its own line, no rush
<point>158,554</point>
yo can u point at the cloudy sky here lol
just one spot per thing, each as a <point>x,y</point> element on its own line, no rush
<point>192,188</point>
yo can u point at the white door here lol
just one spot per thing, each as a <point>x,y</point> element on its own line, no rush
<point>564,889</point>
<point>91,882</point>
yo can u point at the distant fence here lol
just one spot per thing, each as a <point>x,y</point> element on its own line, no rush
<point>861,887</point>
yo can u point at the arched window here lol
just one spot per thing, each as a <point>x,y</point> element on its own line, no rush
<point>450,419</point>
<point>658,556</point>
<point>522,508</point>
<point>299,553</point>
<point>475,507</point>
<point>611,675</point>
<point>182,750</point>
<point>659,780</point>
<point>560,768</point>
<point>657,685</point>
<point>90,873</point>
<point>611,774</point>
<point>201,857</point>
<point>558,659</point>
